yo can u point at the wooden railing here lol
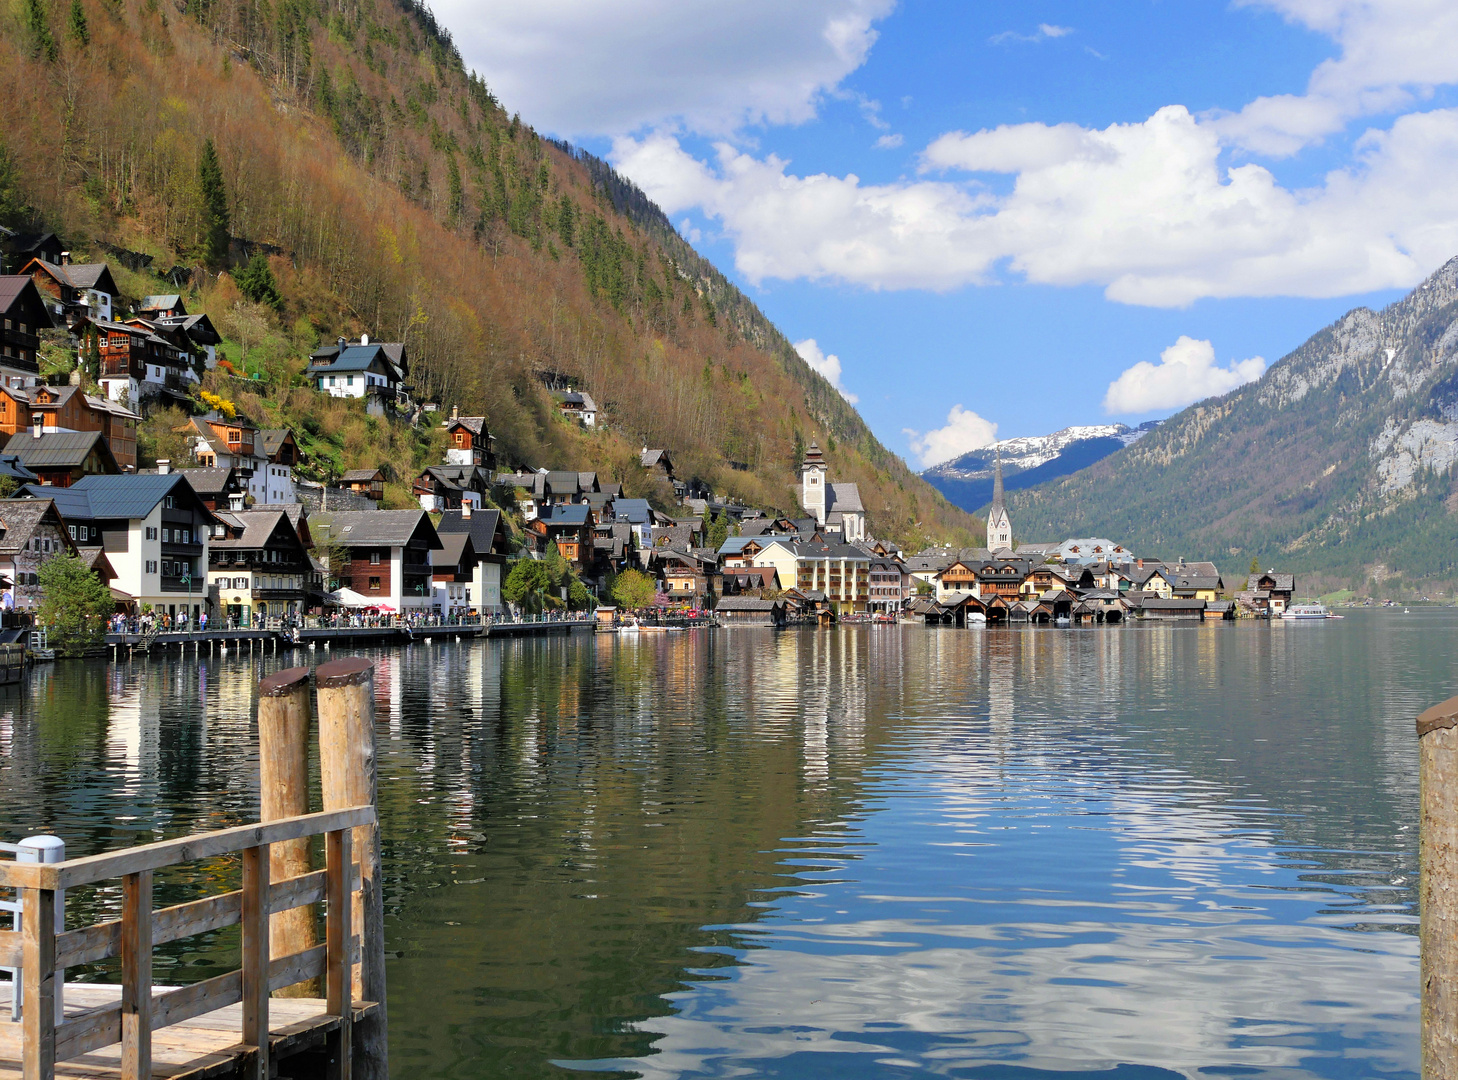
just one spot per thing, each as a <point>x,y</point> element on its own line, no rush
<point>40,947</point>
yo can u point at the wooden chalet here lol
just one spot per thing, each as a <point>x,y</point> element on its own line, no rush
<point>1002,577</point>
<point>66,408</point>
<point>61,458</point>
<point>23,315</point>
<point>75,291</point>
<point>469,441</point>
<point>367,482</point>
<point>749,611</point>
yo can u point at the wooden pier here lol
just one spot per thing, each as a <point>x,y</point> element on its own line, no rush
<point>230,1025</point>
<point>272,641</point>
<point>226,1026</point>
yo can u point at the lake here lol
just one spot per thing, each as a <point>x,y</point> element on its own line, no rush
<point>872,851</point>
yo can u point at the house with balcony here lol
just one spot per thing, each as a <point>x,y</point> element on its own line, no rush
<point>841,571</point>
<point>138,362</point>
<point>576,405</point>
<point>221,442</point>
<point>469,441</point>
<point>570,528</point>
<point>389,554</point>
<point>375,371</point>
<point>450,487</point>
<point>258,568</point>
<point>74,292</point>
<point>490,547</point>
<point>153,530</point>
<point>23,315</point>
<point>199,332</point>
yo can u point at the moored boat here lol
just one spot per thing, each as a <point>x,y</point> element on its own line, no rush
<point>1302,612</point>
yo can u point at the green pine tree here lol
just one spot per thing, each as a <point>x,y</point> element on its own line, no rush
<point>76,27</point>
<point>42,41</point>
<point>256,281</point>
<point>214,207</point>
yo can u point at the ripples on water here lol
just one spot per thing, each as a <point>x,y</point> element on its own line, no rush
<point>867,852</point>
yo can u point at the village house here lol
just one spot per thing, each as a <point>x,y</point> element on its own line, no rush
<point>1002,578</point>
<point>221,442</point>
<point>451,571</point>
<point>219,489</point>
<point>742,580</point>
<point>375,371</point>
<point>61,458</point>
<point>138,363</point>
<point>367,482</point>
<point>657,462</point>
<point>569,527</point>
<point>577,406</point>
<point>1187,581</point>
<point>749,611</point>
<point>17,249</point>
<point>197,330</point>
<point>23,316</point>
<point>31,531</point>
<point>450,487</point>
<point>154,531</point>
<point>890,584</point>
<point>842,572</point>
<point>75,292</point>
<point>1268,594</point>
<point>490,546</point>
<point>958,578</point>
<point>387,554</point>
<point>67,409</point>
<point>469,441</point>
<point>257,566</point>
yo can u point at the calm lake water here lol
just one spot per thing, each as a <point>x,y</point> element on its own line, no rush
<point>864,852</point>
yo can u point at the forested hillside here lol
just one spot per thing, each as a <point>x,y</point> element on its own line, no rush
<point>1339,462</point>
<point>394,196</point>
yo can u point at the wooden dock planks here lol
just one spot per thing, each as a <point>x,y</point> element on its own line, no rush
<point>207,1047</point>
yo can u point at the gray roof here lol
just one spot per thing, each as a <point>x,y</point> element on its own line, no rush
<point>843,499</point>
<point>19,519</point>
<point>746,603</point>
<point>81,275</point>
<point>258,528</point>
<point>11,466</point>
<point>357,358</point>
<point>131,496</point>
<point>161,303</point>
<point>1283,582</point>
<point>56,449</point>
<point>452,549</point>
<point>207,481</point>
<point>360,476</point>
<point>481,526</point>
<point>572,514</point>
<point>271,439</point>
<point>375,528</point>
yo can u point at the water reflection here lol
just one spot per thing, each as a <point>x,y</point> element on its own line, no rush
<point>875,851</point>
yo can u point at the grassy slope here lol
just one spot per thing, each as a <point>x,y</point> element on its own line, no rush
<point>398,199</point>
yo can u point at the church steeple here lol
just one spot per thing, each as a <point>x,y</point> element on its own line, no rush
<point>999,525</point>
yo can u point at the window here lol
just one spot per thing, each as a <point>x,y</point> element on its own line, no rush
<point>167,536</point>
<point>374,584</point>
<point>151,532</point>
<point>167,502</point>
<point>72,528</point>
<point>151,566</point>
<point>374,558</point>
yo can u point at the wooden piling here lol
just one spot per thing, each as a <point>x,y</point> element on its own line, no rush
<point>348,767</point>
<point>284,713</point>
<point>1438,888</point>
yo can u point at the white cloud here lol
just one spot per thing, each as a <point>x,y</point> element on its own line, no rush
<point>826,365</point>
<point>1147,210</point>
<point>1045,32</point>
<point>889,142</point>
<point>964,431</point>
<point>1186,373</point>
<point>581,67</point>
<point>1393,53</point>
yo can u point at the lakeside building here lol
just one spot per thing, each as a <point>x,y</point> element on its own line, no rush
<point>258,566</point>
<point>836,506</point>
<point>490,546</point>
<point>153,529</point>
<point>387,554</point>
<point>31,531</point>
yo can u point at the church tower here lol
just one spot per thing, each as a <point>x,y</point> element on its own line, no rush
<point>999,525</point>
<point>813,473</point>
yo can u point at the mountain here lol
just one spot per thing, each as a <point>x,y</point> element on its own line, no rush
<point>1337,463</point>
<point>967,481</point>
<point>393,195</point>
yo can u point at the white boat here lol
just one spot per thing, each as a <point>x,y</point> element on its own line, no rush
<point>1308,612</point>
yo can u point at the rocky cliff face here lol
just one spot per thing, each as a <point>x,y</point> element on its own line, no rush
<point>1340,459</point>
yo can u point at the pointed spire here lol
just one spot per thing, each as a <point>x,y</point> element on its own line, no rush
<point>997,503</point>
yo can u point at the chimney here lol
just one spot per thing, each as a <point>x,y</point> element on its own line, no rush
<point>37,424</point>
<point>364,339</point>
<point>342,344</point>
<point>455,412</point>
<point>65,258</point>
<point>1141,564</point>
<point>235,500</point>
<point>164,466</point>
<point>465,509</point>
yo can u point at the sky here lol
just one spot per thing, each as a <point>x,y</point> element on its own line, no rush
<point>989,220</point>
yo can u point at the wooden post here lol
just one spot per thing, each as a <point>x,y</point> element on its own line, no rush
<point>136,958</point>
<point>348,767</point>
<point>284,713</point>
<point>339,972</point>
<point>1438,888</point>
<point>38,955</point>
<point>255,959</point>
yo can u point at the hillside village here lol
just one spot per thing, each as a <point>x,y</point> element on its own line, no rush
<point>235,530</point>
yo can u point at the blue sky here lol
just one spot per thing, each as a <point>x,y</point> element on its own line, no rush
<point>1043,214</point>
